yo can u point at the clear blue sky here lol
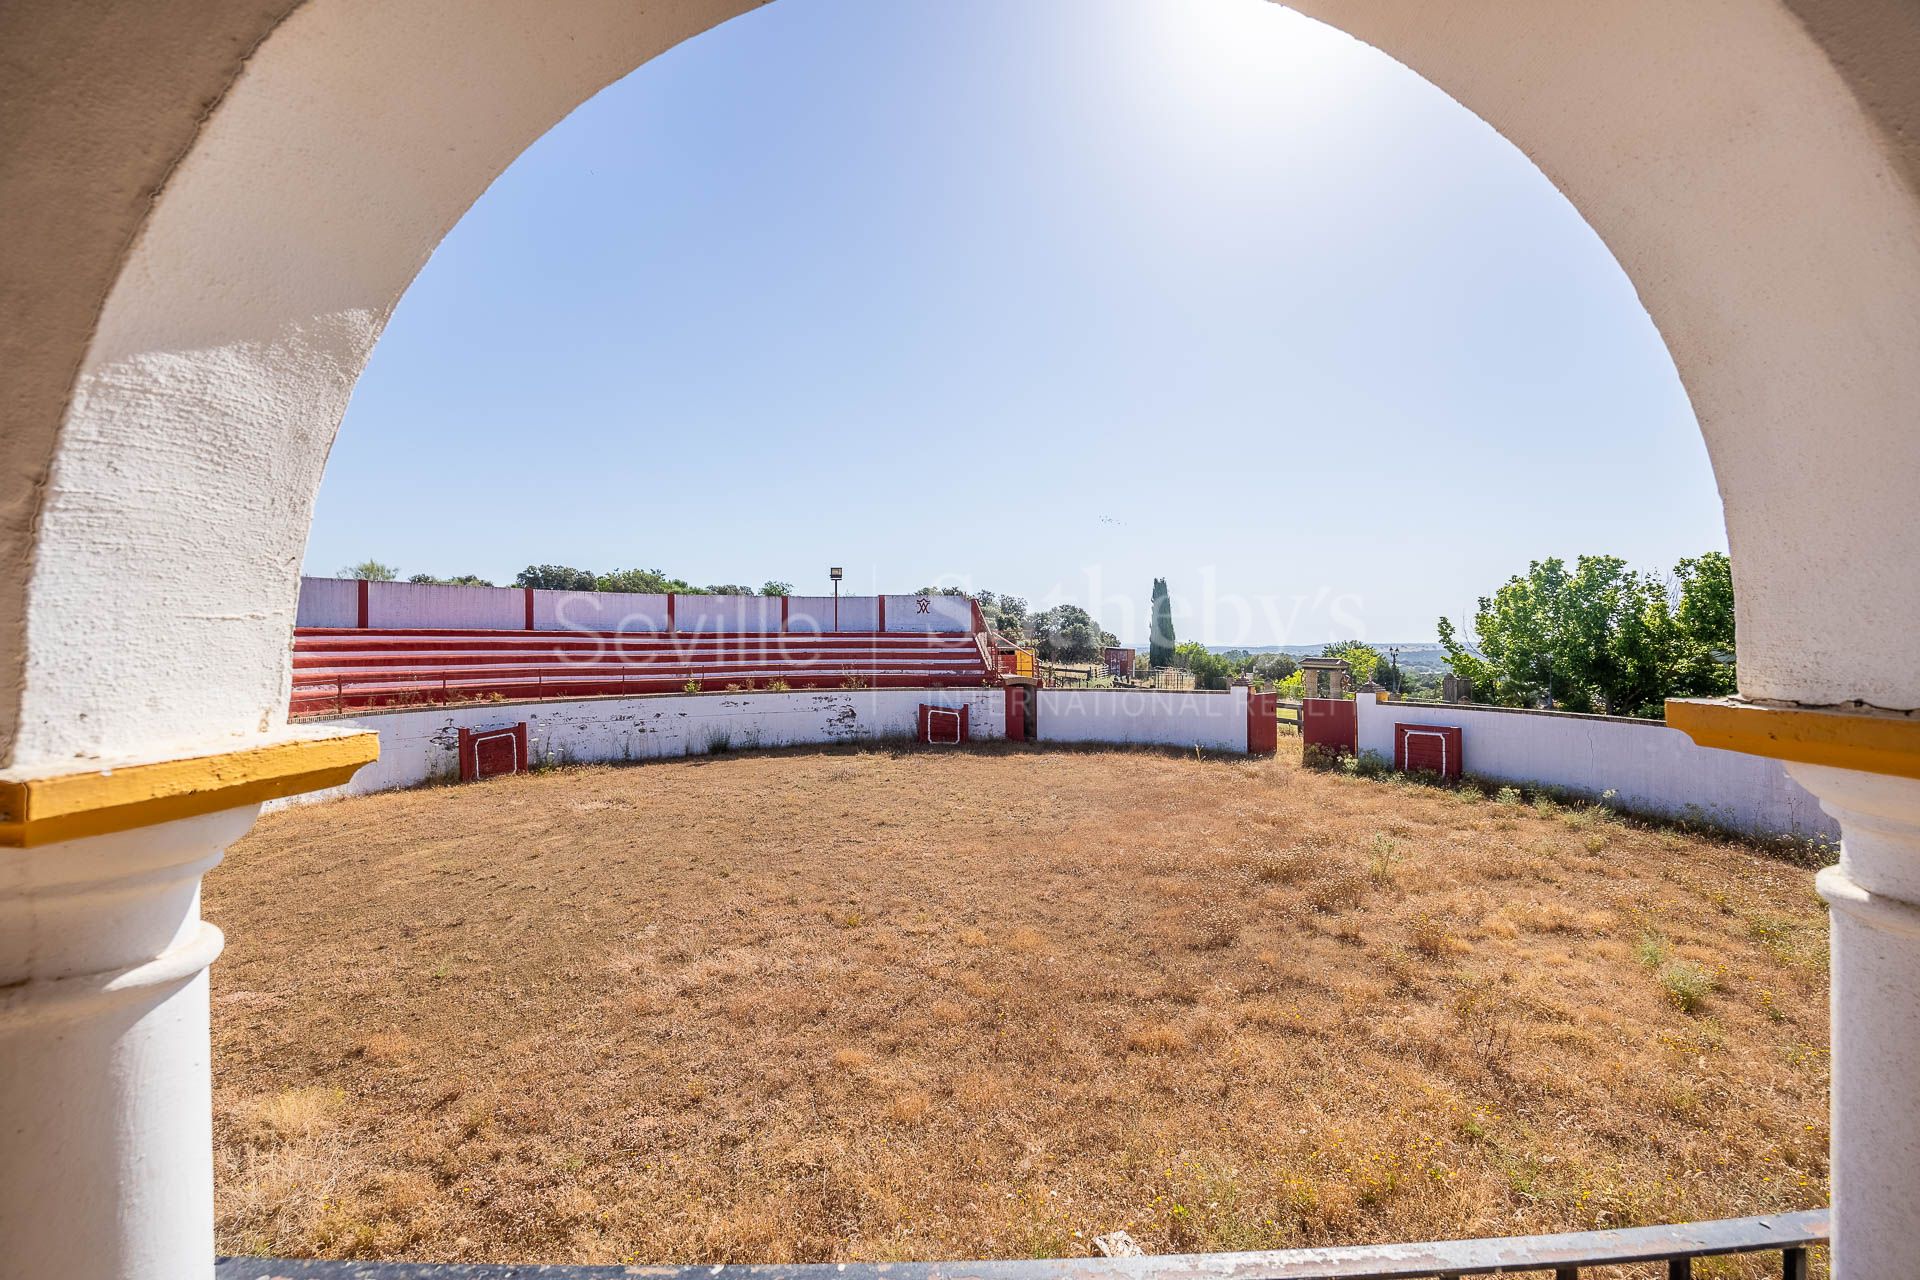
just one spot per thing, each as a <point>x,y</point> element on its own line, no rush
<point>1041,298</point>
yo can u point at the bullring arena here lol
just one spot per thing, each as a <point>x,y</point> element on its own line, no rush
<point>851,970</point>
<point>785,971</point>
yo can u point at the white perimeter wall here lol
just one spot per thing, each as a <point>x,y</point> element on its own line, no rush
<point>419,604</point>
<point>328,602</point>
<point>1647,766</point>
<point>1144,717</point>
<point>598,611</point>
<point>944,613</point>
<point>335,602</point>
<point>420,746</point>
<point>815,613</point>
<point>727,615</point>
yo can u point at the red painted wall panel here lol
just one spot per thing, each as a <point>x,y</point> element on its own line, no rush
<point>1263,724</point>
<point>1330,724</point>
<point>1428,748</point>
<point>487,753</point>
<point>944,725</point>
<point>1016,713</point>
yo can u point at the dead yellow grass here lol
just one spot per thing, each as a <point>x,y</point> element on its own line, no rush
<point>910,1005</point>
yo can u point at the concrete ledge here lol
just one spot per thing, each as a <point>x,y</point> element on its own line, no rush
<point>1860,738</point>
<point>41,808</point>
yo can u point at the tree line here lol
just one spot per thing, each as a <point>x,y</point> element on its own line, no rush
<point>1601,637</point>
<point>560,577</point>
<point>1064,633</point>
<point>1597,637</point>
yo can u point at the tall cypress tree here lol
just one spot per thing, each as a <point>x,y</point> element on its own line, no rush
<point>1160,639</point>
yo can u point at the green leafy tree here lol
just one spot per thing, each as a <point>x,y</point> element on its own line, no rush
<point>1363,660</point>
<point>1704,666</point>
<point>1601,637</point>
<point>1537,636</point>
<point>1005,614</point>
<point>371,571</point>
<point>644,582</point>
<point>554,577</point>
<point>773,588</point>
<point>1068,633</point>
<point>458,580</point>
<point>1272,666</point>
<point>1160,641</point>
<point>1210,670</point>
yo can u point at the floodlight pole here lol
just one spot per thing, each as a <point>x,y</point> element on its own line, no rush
<point>834,573</point>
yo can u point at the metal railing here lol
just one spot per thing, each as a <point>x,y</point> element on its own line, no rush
<point>1563,1256</point>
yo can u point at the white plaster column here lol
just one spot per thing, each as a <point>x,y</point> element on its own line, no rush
<point>106,1143</point>
<point>1875,898</point>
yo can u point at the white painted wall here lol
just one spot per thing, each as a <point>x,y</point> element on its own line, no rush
<point>815,613</point>
<point>1648,767</point>
<point>1144,717</point>
<point>598,611</point>
<point>334,602</point>
<point>328,602</point>
<point>944,613</point>
<point>419,604</point>
<point>808,614</point>
<point>727,615</point>
<point>419,746</point>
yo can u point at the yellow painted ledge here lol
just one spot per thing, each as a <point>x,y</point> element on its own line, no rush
<point>1870,741</point>
<point>67,806</point>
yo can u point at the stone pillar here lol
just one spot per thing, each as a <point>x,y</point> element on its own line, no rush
<point>106,1152</point>
<point>1875,898</point>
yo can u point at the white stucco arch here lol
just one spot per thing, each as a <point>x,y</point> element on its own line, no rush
<point>212,206</point>
<point>1715,147</point>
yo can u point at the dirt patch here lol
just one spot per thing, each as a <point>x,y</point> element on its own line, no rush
<point>880,1005</point>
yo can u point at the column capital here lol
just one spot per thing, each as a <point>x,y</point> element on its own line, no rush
<point>1858,737</point>
<point>43,806</point>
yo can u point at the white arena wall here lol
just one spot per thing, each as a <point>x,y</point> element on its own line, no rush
<point>419,746</point>
<point>328,602</point>
<point>1648,767</point>
<point>596,611</point>
<point>728,615</point>
<point>929,613</point>
<point>817,613</point>
<point>401,605</point>
<point>335,602</point>
<point>1144,717</point>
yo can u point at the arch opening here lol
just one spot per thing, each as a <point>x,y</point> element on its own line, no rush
<point>220,368</point>
<point>224,203</point>
<point>1201,334</point>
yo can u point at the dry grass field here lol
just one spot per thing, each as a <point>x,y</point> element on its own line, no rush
<point>899,1004</point>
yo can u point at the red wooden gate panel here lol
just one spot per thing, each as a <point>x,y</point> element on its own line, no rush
<point>1016,713</point>
<point>1330,724</point>
<point>1263,723</point>
<point>946,726</point>
<point>485,753</point>
<point>1428,748</point>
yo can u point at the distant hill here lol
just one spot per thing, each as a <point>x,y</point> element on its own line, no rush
<point>1412,653</point>
<point>1419,655</point>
